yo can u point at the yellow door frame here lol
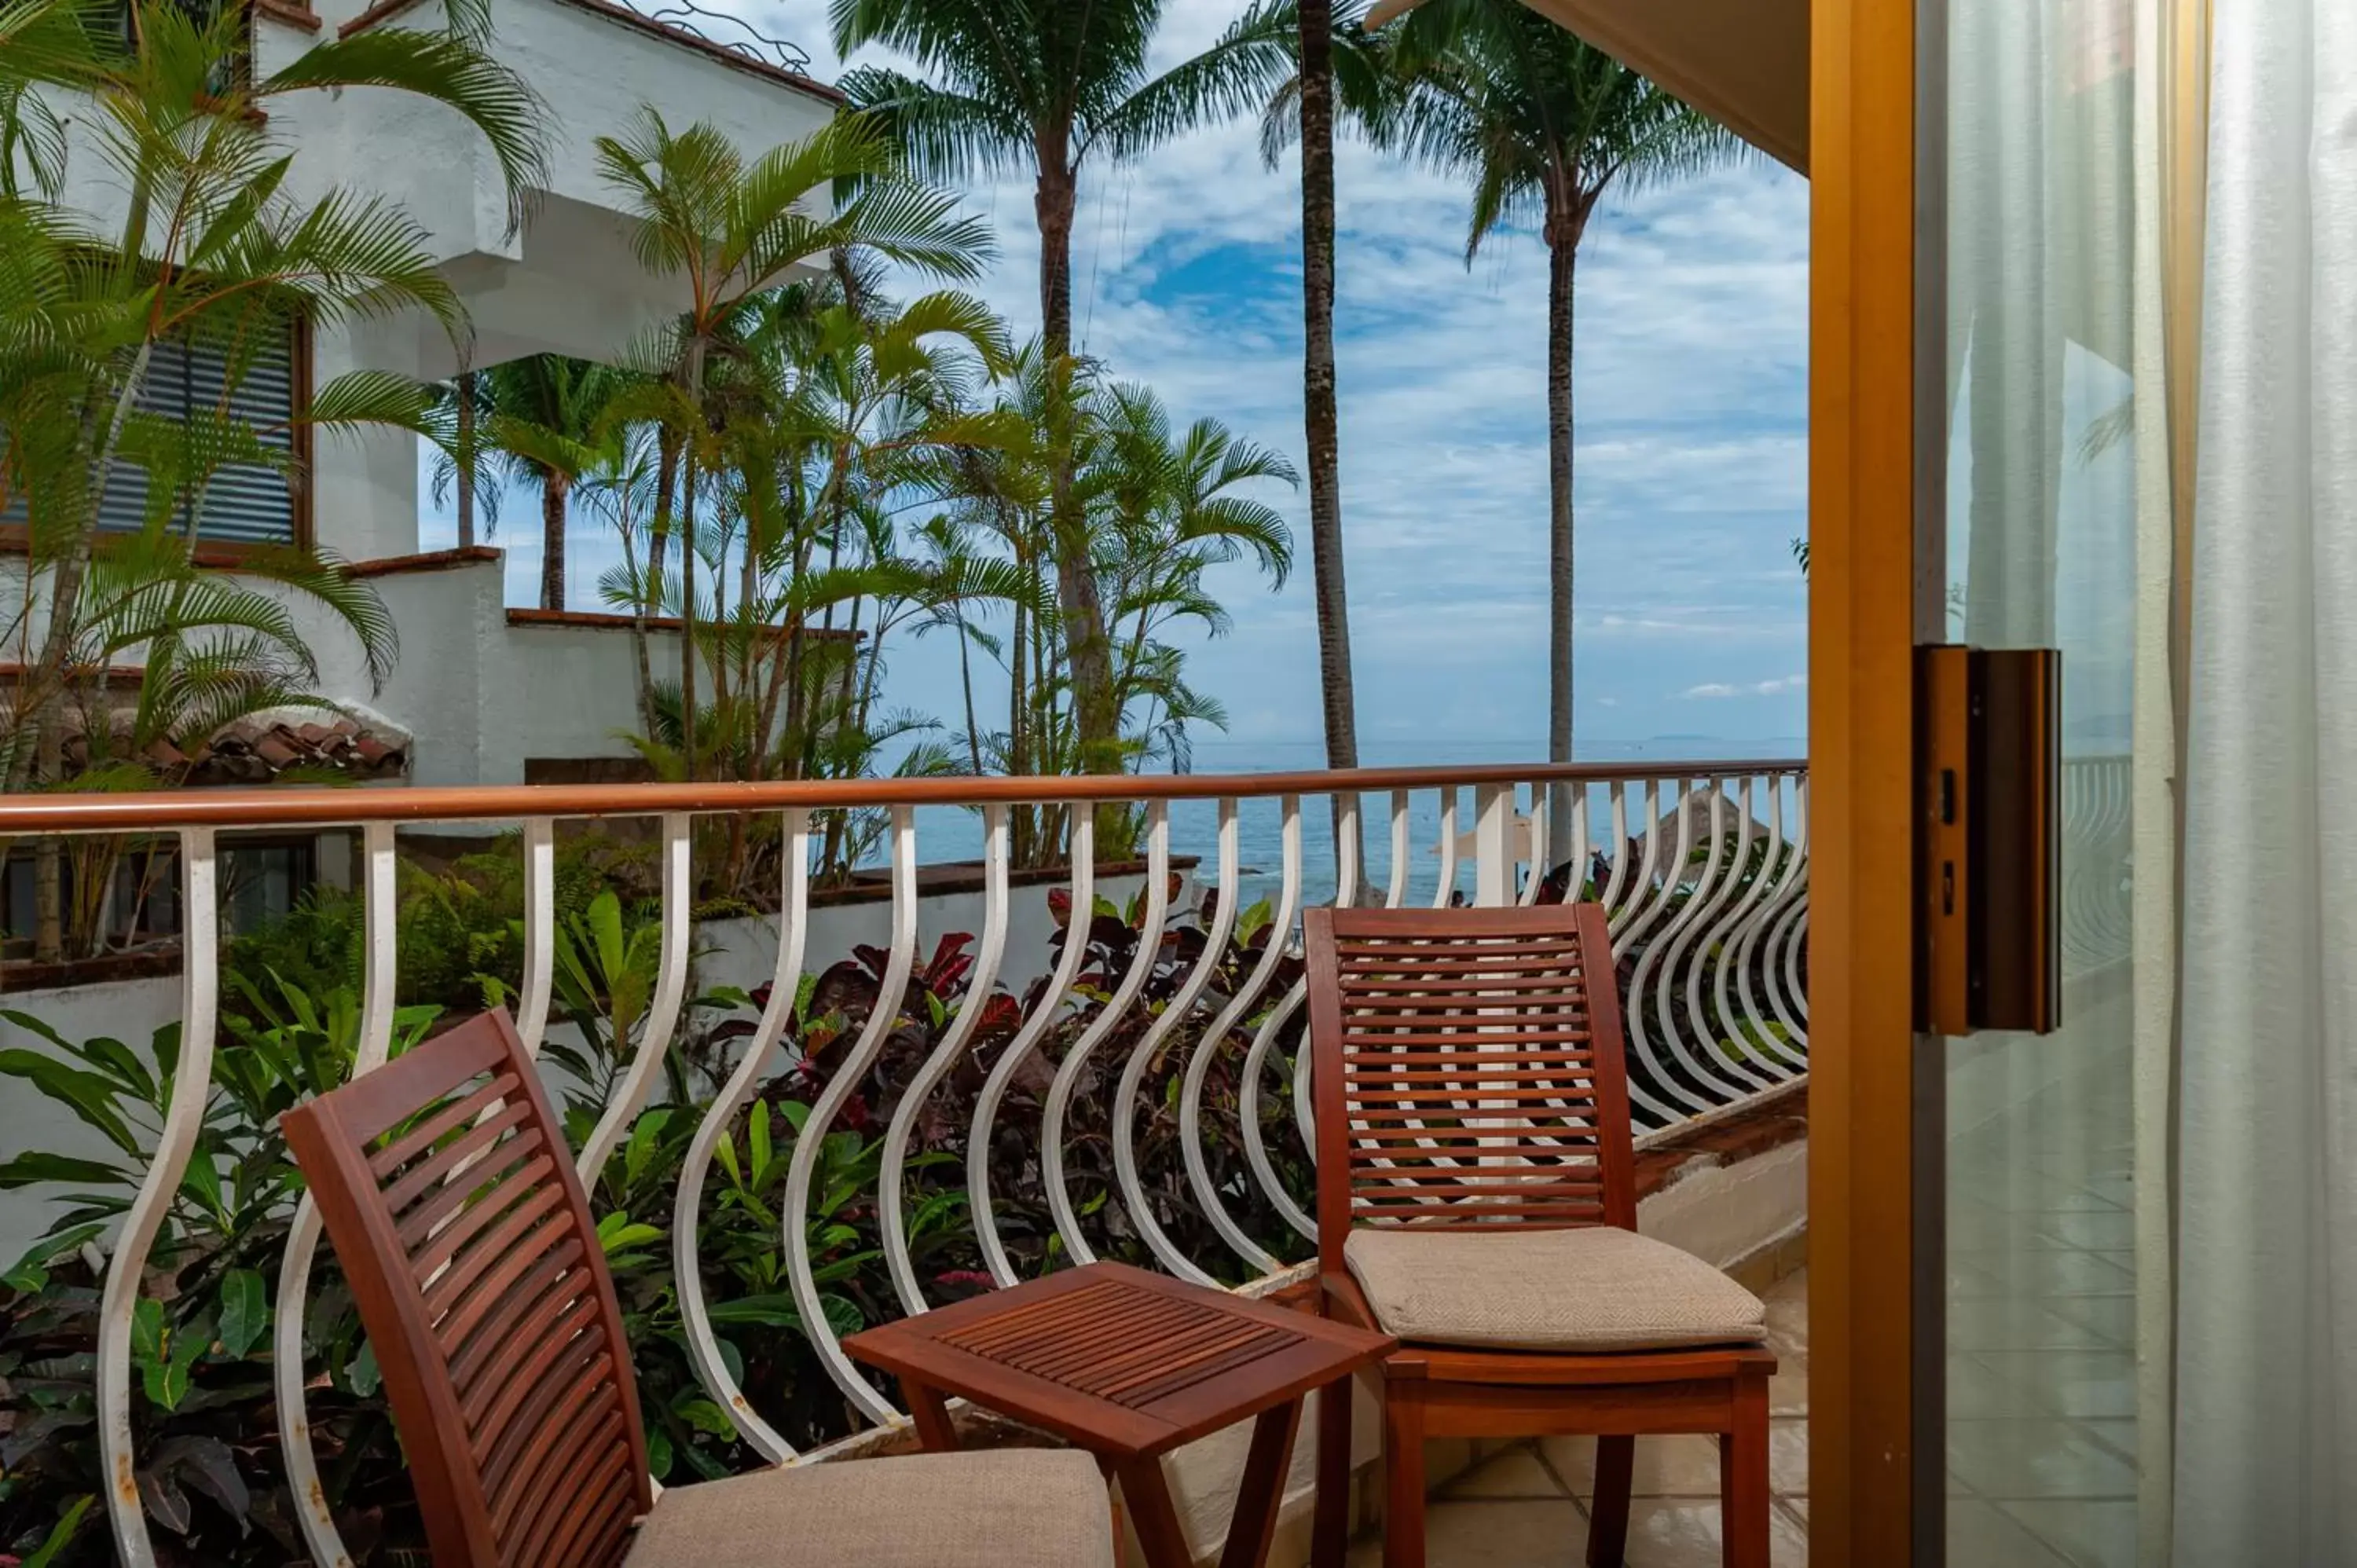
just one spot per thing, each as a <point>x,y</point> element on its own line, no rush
<point>1866,1461</point>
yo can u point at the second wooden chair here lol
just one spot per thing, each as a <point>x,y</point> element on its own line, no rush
<point>1476,1197</point>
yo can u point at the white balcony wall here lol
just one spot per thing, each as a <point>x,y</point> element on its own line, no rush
<point>479,694</point>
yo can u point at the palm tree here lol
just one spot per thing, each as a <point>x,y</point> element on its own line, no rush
<point>1047,85</point>
<point>1338,60</point>
<point>547,415</point>
<point>729,229</point>
<point>1321,419</point>
<point>1544,125</point>
<point>1171,513</point>
<point>541,420</point>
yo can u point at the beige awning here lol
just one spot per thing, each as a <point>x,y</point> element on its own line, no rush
<point>1743,62</point>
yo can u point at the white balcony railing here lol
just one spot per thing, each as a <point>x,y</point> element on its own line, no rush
<point>1135,1070</point>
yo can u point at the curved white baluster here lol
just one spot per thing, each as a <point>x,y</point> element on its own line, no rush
<point>1774,959</point>
<point>811,1142</point>
<point>1746,1027</point>
<point>1615,913</point>
<point>539,932</point>
<point>1248,1108</point>
<point>1256,1058</point>
<point>1712,1070</point>
<point>996,853</point>
<point>1133,1072</point>
<point>663,1013</point>
<point>1346,893</point>
<point>1198,1065</point>
<point>1581,860</point>
<point>1116,1007</point>
<point>1656,882</point>
<point>1538,843</point>
<point>1790,880</point>
<point>1447,884</point>
<point>703,1345</point>
<point>1645,911</point>
<point>184,1117</point>
<point>1574,1121</point>
<point>1799,993</point>
<point>1777,926</point>
<point>290,1305</point>
<point>1395,892</point>
<point>1026,1040</point>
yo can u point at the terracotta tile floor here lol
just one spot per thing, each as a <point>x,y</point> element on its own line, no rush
<point>1526,1505</point>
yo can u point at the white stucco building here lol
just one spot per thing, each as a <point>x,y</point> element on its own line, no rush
<point>482,695</point>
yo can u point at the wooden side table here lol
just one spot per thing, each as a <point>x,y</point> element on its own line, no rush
<point>1130,1365</point>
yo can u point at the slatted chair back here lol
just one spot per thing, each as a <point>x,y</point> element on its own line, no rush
<point>1466,1070</point>
<point>447,1189</point>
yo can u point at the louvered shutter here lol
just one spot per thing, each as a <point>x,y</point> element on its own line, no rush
<point>245,503</point>
<point>248,504</point>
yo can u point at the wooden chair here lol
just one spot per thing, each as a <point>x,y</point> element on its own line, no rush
<point>1476,1197</point>
<point>445,1187</point>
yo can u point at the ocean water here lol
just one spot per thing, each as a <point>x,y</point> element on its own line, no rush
<point>951,833</point>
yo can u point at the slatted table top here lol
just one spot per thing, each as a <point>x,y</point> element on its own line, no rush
<point>1118,1361</point>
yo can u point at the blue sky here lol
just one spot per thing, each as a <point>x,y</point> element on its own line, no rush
<point>1690,397</point>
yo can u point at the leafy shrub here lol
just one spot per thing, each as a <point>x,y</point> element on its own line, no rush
<point>456,929</point>
<point>211,1476</point>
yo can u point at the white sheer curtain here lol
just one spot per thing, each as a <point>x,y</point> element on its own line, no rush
<point>2267,1360</point>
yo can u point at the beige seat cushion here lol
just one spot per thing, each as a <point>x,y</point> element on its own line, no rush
<point>1596,1289</point>
<point>1011,1508</point>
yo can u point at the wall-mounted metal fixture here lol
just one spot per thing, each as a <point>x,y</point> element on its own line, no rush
<point>1988,743</point>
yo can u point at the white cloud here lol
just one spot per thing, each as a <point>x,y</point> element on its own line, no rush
<point>1777,687</point>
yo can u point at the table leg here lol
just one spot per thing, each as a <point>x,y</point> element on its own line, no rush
<point>1151,1514</point>
<point>932,1414</point>
<point>1330,1535</point>
<point>1261,1492</point>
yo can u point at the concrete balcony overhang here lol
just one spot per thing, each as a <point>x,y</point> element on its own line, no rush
<point>1743,62</point>
<point>565,279</point>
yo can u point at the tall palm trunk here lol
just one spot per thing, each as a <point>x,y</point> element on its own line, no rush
<point>553,490</point>
<point>1321,419</point>
<point>687,654</point>
<point>48,681</point>
<point>466,389</point>
<point>667,448</point>
<point>965,679</point>
<point>1054,199</point>
<point>1096,711</point>
<point>1564,222</point>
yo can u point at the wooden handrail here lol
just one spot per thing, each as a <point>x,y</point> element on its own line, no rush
<point>159,809</point>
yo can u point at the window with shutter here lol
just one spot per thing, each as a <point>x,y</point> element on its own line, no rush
<point>244,504</point>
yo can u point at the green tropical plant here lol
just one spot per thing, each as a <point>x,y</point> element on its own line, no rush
<point>1049,86</point>
<point>1162,509</point>
<point>1171,512</point>
<point>727,229</point>
<point>210,1479</point>
<point>1545,126</point>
